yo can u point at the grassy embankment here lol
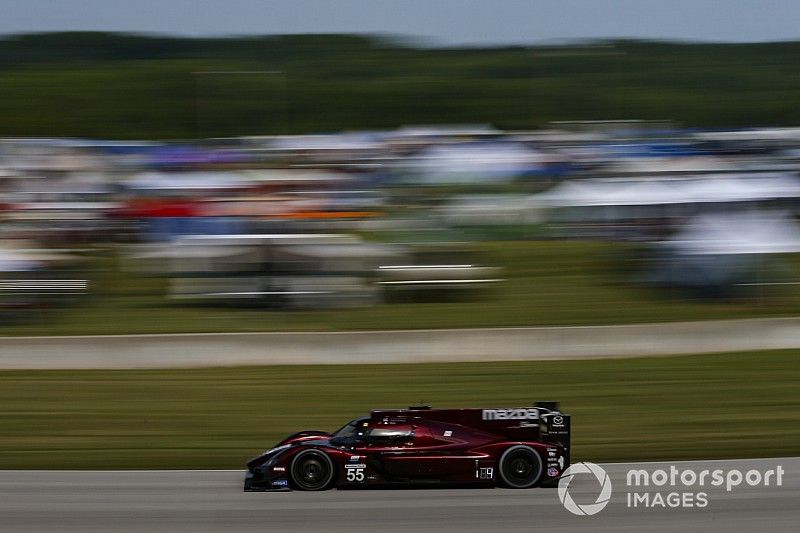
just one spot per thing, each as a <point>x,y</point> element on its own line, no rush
<point>730,405</point>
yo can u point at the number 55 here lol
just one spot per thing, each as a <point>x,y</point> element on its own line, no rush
<point>355,474</point>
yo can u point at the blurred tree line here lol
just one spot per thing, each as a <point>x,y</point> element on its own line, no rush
<point>130,86</point>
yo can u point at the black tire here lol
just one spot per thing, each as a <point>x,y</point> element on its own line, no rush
<point>312,470</point>
<point>520,467</point>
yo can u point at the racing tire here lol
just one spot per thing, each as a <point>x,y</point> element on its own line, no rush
<point>312,470</point>
<point>520,467</point>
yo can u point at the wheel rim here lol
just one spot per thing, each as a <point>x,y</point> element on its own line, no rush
<point>521,467</point>
<point>312,471</point>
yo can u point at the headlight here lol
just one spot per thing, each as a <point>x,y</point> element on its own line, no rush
<point>275,450</point>
<point>275,454</point>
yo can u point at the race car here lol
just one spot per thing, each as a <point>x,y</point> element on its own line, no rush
<point>517,447</point>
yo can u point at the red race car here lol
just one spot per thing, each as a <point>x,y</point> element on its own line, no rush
<point>517,447</point>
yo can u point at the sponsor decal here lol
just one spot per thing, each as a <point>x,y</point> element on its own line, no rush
<point>355,458</point>
<point>551,453</point>
<point>279,469</point>
<point>552,471</point>
<point>280,483</point>
<point>448,433</point>
<point>486,473</point>
<point>558,420</point>
<point>510,414</point>
<point>359,465</point>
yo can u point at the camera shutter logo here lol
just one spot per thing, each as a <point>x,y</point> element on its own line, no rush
<point>588,509</point>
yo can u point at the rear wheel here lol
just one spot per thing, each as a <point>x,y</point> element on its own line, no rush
<point>521,467</point>
<point>312,470</point>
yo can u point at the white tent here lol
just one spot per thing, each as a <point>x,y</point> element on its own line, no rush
<point>594,193</point>
<point>475,163</point>
<point>738,233</point>
<point>706,189</point>
<point>13,261</point>
<point>178,181</point>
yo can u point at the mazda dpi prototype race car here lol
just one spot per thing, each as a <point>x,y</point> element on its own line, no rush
<point>513,447</point>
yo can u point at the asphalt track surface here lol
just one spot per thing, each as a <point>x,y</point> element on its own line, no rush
<point>213,501</point>
<point>401,346</point>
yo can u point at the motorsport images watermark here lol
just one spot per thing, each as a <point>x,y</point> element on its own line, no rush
<point>586,509</point>
<point>663,488</point>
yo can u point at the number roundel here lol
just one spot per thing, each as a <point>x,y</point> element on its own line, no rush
<point>354,472</point>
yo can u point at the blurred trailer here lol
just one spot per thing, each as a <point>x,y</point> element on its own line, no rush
<point>303,270</point>
<point>282,270</point>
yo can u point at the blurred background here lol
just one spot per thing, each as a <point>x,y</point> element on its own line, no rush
<point>365,182</point>
<point>510,167</point>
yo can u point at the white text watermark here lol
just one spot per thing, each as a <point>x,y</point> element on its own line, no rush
<point>666,488</point>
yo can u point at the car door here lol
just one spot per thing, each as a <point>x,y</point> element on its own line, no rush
<point>440,453</point>
<point>387,450</point>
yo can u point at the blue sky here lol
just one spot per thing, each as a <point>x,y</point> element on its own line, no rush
<point>436,21</point>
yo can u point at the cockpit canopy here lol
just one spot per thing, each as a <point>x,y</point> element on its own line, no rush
<point>366,431</point>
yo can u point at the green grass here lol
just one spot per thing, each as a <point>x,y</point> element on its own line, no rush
<point>709,406</point>
<point>547,283</point>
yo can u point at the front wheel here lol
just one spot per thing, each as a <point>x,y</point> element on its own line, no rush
<point>520,467</point>
<point>312,470</point>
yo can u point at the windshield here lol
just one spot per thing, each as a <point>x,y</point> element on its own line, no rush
<point>353,431</point>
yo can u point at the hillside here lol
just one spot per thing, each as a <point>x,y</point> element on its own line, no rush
<point>129,86</point>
